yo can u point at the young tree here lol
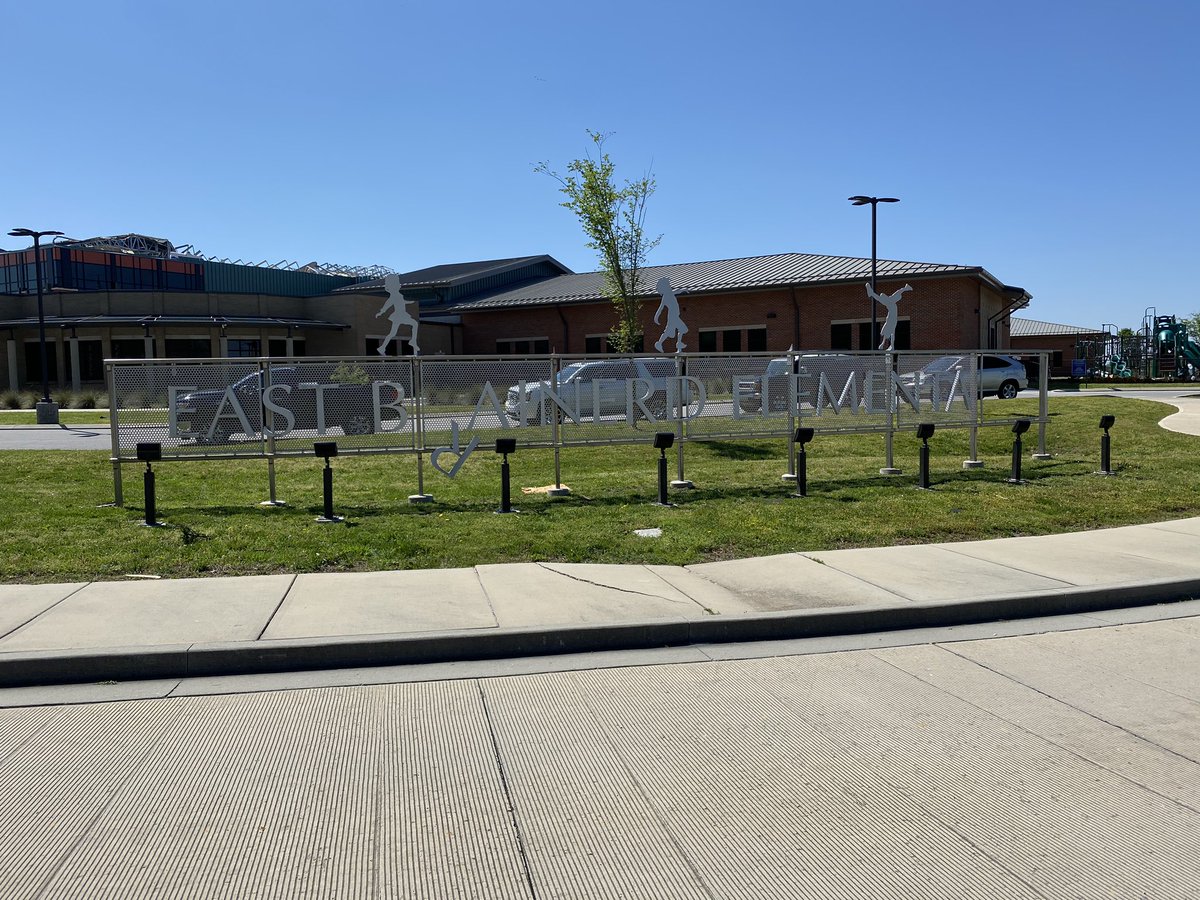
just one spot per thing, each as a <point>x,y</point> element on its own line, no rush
<point>613,219</point>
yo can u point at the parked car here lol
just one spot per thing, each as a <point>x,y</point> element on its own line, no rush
<point>349,407</point>
<point>837,368</point>
<point>1003,376</point>
<point>577,388</point>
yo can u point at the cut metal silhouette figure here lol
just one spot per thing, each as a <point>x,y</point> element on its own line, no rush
<point>674,325</point>
<point>887,334</point>
<point>394,308</point>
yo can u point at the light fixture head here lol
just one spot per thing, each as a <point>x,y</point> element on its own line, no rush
<point>925,430</point>
<point>1020,426</point>
<point>506,445</point>
<point>663,440</point>
<point>804,435</point>
<point>1106,422</point>
<point>325,449</point>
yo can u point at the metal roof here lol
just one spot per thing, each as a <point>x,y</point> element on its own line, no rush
<point>453,274</point>
<point>1033,328</point>
<point>155,321</point>
<point>719,275</point>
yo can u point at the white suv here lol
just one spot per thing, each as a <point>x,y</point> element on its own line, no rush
<point>594,389</point>
<point>1003,376</point>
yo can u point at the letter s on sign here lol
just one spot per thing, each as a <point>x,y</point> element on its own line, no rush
<point>275,409</point>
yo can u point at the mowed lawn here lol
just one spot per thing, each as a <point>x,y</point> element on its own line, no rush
<point>54,525</point>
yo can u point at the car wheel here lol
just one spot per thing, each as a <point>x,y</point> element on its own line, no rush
<point>358,425</point>
<point>1008,391</point>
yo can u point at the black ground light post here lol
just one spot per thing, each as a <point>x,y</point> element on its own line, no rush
<point>47,410</point>
<point>803,436</point>
<point>663,441</point>
<point>1106,422</point>
<point>1019,428</point>
<point>860,200</point>
<point>925,432</point>
<point>326,450</point>
<point>505,446</point>
<point>150,453</point>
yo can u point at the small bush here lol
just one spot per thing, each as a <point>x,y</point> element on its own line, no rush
<point>28,400</point>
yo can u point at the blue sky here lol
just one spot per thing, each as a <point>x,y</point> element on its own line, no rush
<point>1055,144</point>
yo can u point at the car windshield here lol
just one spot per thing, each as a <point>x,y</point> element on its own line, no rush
<point>568,373</point>
<point>945,364</point>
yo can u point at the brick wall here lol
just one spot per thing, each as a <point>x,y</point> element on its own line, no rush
<point>944,314</point>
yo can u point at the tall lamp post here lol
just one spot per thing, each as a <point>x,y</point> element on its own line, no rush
<point>47,411</point>
<point>860,200</point>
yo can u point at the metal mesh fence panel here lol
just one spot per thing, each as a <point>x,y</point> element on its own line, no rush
<point>240,408</point>
<point>940,388</point>
<point>486,398</point>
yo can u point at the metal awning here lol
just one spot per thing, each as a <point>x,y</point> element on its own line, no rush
<point>167,321</point>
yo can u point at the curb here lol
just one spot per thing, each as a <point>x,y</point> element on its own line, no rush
<point>262,657</point>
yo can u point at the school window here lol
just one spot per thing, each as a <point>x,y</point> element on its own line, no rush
<point>243,347</point>
<point>91,360</point>
<point>903,335</point>
<point>278,347</point>
<point>396,346</point>
<point>841,336</point>
<point>128,348</point>
<point>600,343</point>
<point>523,346</point>
<point>189,348</point>
<point>732,340</point>
<point>33,362</point>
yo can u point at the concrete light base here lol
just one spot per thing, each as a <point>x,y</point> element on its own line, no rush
<point>890,471</point>
<point>47,412</point>
<point>273,503</point>
<point>559,492</point>
<point>420,498</point>
<point>1041,456</point>
<point>972,463</point>
<point>682,485</point>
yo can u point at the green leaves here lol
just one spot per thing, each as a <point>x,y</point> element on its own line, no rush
<point>613,219</point>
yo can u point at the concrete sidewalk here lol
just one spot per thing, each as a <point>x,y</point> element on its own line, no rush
<point>153,629</point>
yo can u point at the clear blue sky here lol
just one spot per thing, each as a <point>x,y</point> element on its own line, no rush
<point>1055,144</point>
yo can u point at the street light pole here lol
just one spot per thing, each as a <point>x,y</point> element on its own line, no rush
<point>860,200</point>
<point>47,413</point>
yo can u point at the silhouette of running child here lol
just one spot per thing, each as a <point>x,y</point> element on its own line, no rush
<point>674,326</point>
<point>887,334</point>
<point>394,307</point>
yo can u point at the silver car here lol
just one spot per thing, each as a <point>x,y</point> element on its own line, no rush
<point>1003,376</point>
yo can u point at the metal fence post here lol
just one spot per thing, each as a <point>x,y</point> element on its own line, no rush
<point>893,412</point>
<point>680,433</point>
<point>1043,404</point>
<point>556,435</point>
<point>118,493</point>
<point>418,431</point>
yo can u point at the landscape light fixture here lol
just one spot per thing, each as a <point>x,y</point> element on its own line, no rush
<point>1106,422</point>
<point>326,450</point>
<point>505,446</point>
<point>925,432</point>
<point>860,200</point>
<point>1019,428</point>
<point>150,453</point>
<point>47,412</point>
<point>802,437</point>
<point>663,441</point>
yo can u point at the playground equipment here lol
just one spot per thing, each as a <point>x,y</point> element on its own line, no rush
<point>1114,355</point>
<point>1174,354</point>
<point>1163,350</point>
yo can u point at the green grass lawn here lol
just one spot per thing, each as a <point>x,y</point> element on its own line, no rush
<point>53,526</point>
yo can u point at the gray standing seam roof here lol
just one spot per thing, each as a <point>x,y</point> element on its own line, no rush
<point>717,275</point>
<point>1033,328</point>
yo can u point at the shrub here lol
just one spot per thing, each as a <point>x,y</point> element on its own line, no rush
<point>10,400</point>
